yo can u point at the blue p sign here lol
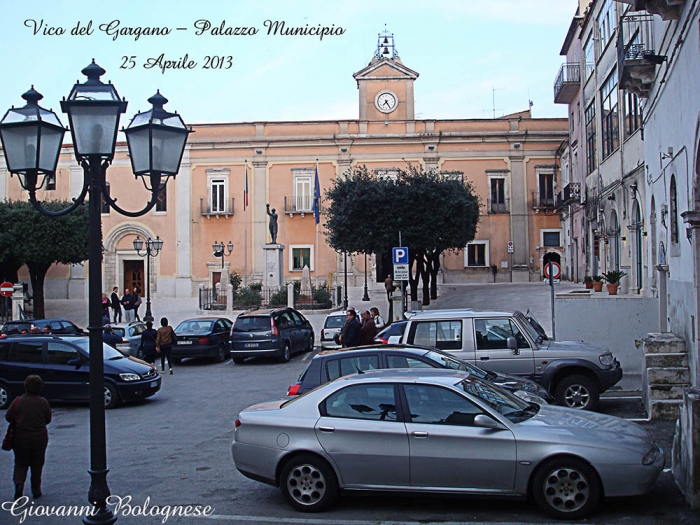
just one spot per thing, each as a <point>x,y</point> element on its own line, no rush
<point>400,255</point>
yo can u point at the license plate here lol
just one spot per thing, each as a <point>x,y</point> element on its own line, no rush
<point>154,384</point>
<point>251,345</point>
<point>184,342</point>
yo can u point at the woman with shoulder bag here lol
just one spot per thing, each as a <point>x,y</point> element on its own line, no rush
<point>164,342</point>
<point>147,346</point>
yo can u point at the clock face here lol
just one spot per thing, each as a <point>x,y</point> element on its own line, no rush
<point>386,101</point>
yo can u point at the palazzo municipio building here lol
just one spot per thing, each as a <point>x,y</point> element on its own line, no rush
<point>513,162</point>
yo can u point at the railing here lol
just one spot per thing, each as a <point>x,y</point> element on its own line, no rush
<point>542,203</point>
<point>299,204</point>
<point>211,299</point>
<point>572,192</point>
<point>206,209</point>
<point>498,207</point>
<point>255,297</point>
<point>636,56</point>
<point>567,83</point>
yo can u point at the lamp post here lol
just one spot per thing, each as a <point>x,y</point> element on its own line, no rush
<point>366,296</point>
<point>31,139</point>
<point>153,248</point>
<point>219,250</point>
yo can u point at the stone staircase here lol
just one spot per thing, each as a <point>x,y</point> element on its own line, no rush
<point>665,374</point>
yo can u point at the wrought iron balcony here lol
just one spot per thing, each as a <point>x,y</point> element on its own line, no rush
<point>567,83</point>
<point>542,203</point>
<point>498,207</point>
<point>636,57</point>
<point>571,194</point>
<point>206,209</point>
<point>666,9</point>
<point>299,204</point>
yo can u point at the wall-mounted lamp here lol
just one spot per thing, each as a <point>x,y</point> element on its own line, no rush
<point>516,145</point>
<point>611,197</point>
<point>623,238</point>
<point>644,233</point>
<point>431,147</point>
<point>668,154</point>
<point>344,150</point>
<point>258,151</point>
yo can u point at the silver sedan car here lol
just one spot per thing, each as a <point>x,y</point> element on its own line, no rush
<point>438,431</point>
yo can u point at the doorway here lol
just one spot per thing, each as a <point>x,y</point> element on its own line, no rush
<point>133,275</point>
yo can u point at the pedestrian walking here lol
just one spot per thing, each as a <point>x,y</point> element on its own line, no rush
<point>368,330</point>
<point>128,304</point>
<point>350,332</point>
<point>165,338</point>
<point>136,300</point>
<point>147,346</point>
<point>378,321</point>
<point>29,415</point>
<point>105,309</point>
<point>116,305</point>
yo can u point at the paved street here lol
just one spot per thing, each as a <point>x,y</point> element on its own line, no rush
<point>174,449</point>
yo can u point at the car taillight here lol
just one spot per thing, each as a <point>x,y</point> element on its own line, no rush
<point>203,341</point>
<point>294,390</point>
<point>237,423</point>
<point>384,340</point>
<point>275,330</point>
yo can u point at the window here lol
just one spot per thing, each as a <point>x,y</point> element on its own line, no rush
<point>60,353</point>
<point>589,55</point>
<point>402,361</point>
<point>633,114</point>
<point>162,200</point>
<point>303,189</point>
<point>609,115</point>
<point>27,352</point>
<point>104,208</point>
<point>551,238</point>
<point>546,189</point>
<point>590,138</point>
<point>336,368</point>
<point>673,198</point>
<point>300,256</point>
<point>439,406</point>
<point>218,195</point>
<point>375,402</point>
<point>51,181</point>
<point>444,335</point>
<point>493,334</point>
<point>498,196</point>
<point>606,23</point>
<point>217,191</point>
<point>477,254</point>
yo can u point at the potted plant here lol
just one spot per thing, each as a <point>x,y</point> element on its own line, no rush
<point>597,283</point>
<point>613,280</point>
<point>588,281</point>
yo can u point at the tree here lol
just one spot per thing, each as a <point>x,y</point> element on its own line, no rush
<point>38,241</point>
<point>434,212</point>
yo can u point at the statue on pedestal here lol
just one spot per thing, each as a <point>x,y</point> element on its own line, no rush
<point>273,224</point>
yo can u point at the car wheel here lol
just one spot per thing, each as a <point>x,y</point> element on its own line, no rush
<point>286,353</point>
<point>221,354</point>
<point>111,396</point>
<point>566,488</point>
<point>308,483</point>
<point>5,397</point>
<point>310,345</point>
<point>238,360</point>
<point>577,391</point>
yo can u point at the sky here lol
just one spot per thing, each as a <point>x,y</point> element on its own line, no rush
<point>475,58</point>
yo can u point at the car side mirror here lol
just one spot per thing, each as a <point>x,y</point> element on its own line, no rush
<point>486,422</point>
<point>512,344</point>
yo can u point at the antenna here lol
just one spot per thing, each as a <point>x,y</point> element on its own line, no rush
<point>493,100</point>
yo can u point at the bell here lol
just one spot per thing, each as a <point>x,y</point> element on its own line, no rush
<point>386,51</point>
<point>386,41</point>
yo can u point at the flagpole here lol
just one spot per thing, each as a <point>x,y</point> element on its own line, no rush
<point>317,209</point>
<point>245,228</point>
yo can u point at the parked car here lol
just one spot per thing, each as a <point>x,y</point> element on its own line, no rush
<point>131,336</point>
<point>447,432</point>
<point>58,325</point>
<point>202,337</point>
<point>278,332</point>
<point>331,327</point>
<point>329,365</point>
<point>574,372</point>
<point>392,333</point>
<point>63,364</point>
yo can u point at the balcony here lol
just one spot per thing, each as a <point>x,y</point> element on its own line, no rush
<point>542,203</point>
<point>207,210</point>
<point>571,194</point>
<point>636,57</point>
<point>302,204</point>
<point>567,83</point>
<point>666,9</point>
<point>498,207</point>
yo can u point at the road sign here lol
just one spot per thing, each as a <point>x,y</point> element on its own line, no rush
<point>399,255</point>
<point>511,247</point>
<point>555,266</point>
<point>401,272</point>
<point>6,289</point>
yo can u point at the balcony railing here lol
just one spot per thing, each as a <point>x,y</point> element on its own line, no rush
<point>567,83</point>
<point>498,207</point>
<point>666,9</point>
<point>299,204</point>
<point>571,194</point>
<point>542,203</point>
<point>206,208</point>
<point>636,55</point>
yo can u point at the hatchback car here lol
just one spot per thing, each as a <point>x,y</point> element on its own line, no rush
<point>392,333</point>
<point>278,332</point>
<point>131,337</point>
<point>331,327</point>
<point>58,326</point>
<point>63,364</point>
<point>202,337</point>
<point>329,365</point>
<point>447,432</point>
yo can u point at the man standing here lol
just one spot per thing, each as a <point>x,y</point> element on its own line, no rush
<point>368,331</point>
<point>115,303</point>
<point>128,304</point>
<point>389,286</point>
<point>350,332</point>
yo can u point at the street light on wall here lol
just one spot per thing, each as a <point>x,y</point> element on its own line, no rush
<point>31,139</point>
<point>153,248</point>
<point>219,251</point>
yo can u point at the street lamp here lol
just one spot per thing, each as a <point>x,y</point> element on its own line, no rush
<point>31,139</point>
<point>218,248</point>
<point>366,296</point>
<point>153,248</point>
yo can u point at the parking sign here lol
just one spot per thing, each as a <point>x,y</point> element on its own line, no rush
<point>399,257</point>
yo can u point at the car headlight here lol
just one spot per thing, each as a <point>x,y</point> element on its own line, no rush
<point>606,359</point>
<point>651,456</point>
<point>129,377</point>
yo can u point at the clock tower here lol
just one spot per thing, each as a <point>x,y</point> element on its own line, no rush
<point>386,85</point>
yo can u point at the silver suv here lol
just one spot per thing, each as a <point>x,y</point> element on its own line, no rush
<point>575,373</point>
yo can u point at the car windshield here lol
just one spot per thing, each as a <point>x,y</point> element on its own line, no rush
<point>525,325</point>
<point>457,364</point>
<point>119,331</point>
<point>505,403</point>
<point>334,321</point>
<point>252,324</point>
<point>110,354</point>
<point>194,327</point>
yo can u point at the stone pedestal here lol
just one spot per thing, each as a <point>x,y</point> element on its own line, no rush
<point>397,307</point>
<point>665,374</point>
<point>273,277</point>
